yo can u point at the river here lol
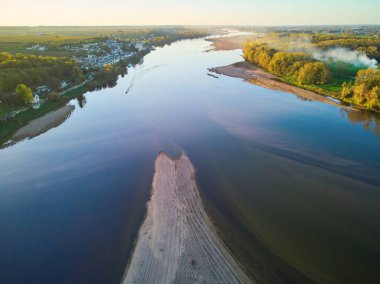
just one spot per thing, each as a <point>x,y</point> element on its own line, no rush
<point>294,185</point>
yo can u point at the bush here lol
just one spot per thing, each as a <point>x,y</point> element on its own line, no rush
<point>12,99</point>
<point>25,93</point>
<point>53,96</point>
<point>313,73</point>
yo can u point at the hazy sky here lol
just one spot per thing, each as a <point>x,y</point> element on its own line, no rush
<point>145,12</point>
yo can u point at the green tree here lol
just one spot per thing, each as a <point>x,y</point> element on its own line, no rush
<point>366,90</point>
<point>313,73</point>
<point>347,89</point>
<point>77,74</point>
<point>25,93</point>
<point>53,83</point>
<point>53,96</point>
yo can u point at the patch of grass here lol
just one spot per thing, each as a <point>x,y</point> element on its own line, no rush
<point>78,91</point>
<point>4,109</point>
<point>332,88</point>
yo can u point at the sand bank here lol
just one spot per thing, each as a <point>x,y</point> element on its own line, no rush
<point>257,76</point>
<point>41,125</point>
<point>229,43</point>
<point>177,243</point>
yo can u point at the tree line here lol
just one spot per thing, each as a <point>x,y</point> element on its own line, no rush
<point>287,64</point>
<point>365,90</point>
<point>368,45</point>
<point>33,70</point>
<point>21,72</point>
<point>303,70</point>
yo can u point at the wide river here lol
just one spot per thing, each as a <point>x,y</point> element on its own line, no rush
<point>293,185</point>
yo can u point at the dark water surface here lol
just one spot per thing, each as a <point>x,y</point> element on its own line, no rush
<point>301,177</point>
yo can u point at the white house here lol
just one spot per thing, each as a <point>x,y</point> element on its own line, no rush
<point>63,84</point>
<point>139,45</point>
<point>42,89</point>
<point>36,99</point>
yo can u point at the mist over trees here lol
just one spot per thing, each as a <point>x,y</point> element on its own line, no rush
<point>300,68</point>
<point>298,64</point>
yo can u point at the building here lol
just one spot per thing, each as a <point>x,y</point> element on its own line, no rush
<point>42,90</point>
<point>64,84</point>
<point>36,103</point>
<point>36,99</point>
<point>139,45</point>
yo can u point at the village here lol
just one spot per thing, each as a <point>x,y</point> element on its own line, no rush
<point>90,57</point>
<point>94,55</point>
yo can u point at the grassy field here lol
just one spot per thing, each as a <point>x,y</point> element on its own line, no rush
<point>4,109</point>
<point>19,44</point>
<point>340,73</point>
<point>42,38</point>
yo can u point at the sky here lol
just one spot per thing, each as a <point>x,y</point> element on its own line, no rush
<point>188,12</point>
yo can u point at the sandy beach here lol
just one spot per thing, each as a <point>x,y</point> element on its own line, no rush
<point>177,243</point>
<point>41,125</point>
<point>257,76</point>
<point>229,43</point>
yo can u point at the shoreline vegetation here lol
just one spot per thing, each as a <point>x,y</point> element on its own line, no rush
<point>177,242</point>
<point>106,77</point>
<point>338,69</point>
<point>367,82</point>
<point>288,63</point>
<point>257,76</point>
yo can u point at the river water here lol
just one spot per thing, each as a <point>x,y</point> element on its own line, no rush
<point>297,178</point>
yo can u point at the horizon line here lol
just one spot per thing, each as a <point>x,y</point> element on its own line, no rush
<point>193,25</point>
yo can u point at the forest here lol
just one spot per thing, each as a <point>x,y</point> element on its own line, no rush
<point>22,71</point>
<point>33,70</point>
<point>292,59</point>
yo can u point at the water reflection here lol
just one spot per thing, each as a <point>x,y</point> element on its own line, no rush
<point>369,120</point>
<point>41,125</point>
<point>81,100</point>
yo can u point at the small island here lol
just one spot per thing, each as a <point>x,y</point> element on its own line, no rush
<point>177,243</point>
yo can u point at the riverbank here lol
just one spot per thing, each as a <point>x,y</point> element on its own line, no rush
<point>177,243</point>
<point>41,125</point>
<point>257,76</point>
<point>8,129</point>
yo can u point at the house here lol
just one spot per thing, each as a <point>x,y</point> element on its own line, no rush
<point>63,84</point>
<point>36,103</point>
<point>37,47</point>
<point>36,99</point>
<point>139,45</point>
<point>42,89</point>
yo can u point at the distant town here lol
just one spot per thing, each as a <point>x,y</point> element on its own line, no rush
<point>91,57</point>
